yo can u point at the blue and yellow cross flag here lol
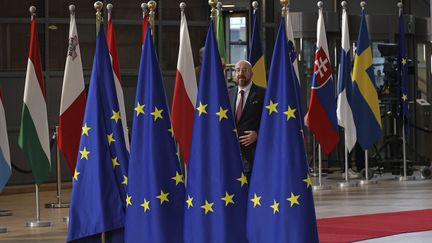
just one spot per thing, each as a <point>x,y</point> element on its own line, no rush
<point>98,189</point>
<point>156,188</point>
<point>256,56</point>
<point>364,105</point>
<point>403,78</point>
<point>216,191</point>
<point>280,203</point>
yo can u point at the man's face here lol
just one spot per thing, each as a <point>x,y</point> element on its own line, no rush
<point>243,73</point>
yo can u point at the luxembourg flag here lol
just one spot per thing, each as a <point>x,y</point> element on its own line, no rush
<point>321,116</point>
<point>343,111</point>
<point>73,100</point>
<point>185,92</point>
<point>112,47</point>
<point>5,163</point>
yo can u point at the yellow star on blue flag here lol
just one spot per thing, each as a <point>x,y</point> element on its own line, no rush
<point>274,207</point>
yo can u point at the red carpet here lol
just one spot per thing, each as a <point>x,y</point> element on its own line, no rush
<point>363,227</point>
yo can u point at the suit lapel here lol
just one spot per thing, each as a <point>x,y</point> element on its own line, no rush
<point>251,96</point>
<point>233,99</point>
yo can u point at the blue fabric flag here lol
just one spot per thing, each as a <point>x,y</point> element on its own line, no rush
<point>216,191</point>
<point>364,99</point>
<point>403,78</point>
<point>98,192</point>
<point>280,203</point>
<point>155,194</point>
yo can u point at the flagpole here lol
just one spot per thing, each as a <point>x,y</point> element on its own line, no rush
<point>255,6</point>
<point>152,7</point>
<point>144,8</point>
<point>37,222</point>
<point>59,203</point>
<point>213,11</point>
<point>320,186</point>
<point>405,177</point>
<point>347,183</point>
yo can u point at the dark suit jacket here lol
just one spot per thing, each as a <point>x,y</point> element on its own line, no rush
<point>251,116</point>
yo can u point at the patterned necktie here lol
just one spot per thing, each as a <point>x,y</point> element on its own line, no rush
<point>239,109</point>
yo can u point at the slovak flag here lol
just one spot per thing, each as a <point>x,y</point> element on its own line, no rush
<point>321,116</point>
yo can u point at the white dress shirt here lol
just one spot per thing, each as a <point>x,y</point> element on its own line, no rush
<point>245,95</point>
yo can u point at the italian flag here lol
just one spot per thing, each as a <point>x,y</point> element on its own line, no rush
<point>34,134</point>
<point>185,93</point>
<point>111,40</point>
<point>73,100</point>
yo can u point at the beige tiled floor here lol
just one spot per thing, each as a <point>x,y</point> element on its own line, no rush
<point>388,196</point>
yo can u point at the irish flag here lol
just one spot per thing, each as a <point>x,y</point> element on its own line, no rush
<point>73,100</point>
<point>112,47</point>
<point>5,164</point>
<point>34,135</point>
<point>185,92</point>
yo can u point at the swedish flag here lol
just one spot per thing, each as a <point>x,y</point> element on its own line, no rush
<point>98,191</point>
<point>280,202</point>
<point>155,195</point>
<point>365,108</point>
<point>256,56</point>
<point>216,191</point>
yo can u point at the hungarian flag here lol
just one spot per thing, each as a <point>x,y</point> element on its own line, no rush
<point>112,47</point>
<point>34,134</point>
<point>321,116</point>
<point>185,92</point>
<point>73,100</point>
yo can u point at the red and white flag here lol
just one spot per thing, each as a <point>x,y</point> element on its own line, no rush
<point>112,47</point>
<point>73,100</point>
<point>185,93</point>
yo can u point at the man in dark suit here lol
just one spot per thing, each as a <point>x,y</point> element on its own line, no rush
<point>246,103</point>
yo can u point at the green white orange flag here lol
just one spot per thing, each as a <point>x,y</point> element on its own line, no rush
<point>73,100</point>
<point>34,134</point>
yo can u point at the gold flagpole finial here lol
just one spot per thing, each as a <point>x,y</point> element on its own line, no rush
<point>152,7</point>
<point>213,11</point>
<point>284,4</point>
<point>144,8</point>
<point>98,7</point>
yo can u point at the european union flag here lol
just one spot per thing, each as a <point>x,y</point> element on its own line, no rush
<point>364,105</point>
<point>403,77</point>
<point>155,194</point>
<point>216,191</point>
<point>98,192</point>
<point>280,202</point>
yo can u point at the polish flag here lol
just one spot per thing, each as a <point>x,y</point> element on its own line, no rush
<point>73,100</point>
<point>185,93</point>
<point>112,46</point>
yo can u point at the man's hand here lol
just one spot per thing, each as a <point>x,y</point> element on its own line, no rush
<point>249,138</point>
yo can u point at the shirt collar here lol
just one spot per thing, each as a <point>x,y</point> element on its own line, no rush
<point>245,89</point>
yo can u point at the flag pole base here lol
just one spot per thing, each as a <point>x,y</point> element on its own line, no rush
<point>3,230</point>
<point>407,178</point>
<point>321,188</point>
<point>38,223</point>
<point>368,182</point>
<point>5,213</point>
<point>57,205</point>
<point>66,219</point>
<point>348,184</point>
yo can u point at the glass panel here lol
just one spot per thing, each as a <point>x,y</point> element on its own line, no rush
<point>238,52</point>
<point>421,71</point>
<point>237,28</point>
